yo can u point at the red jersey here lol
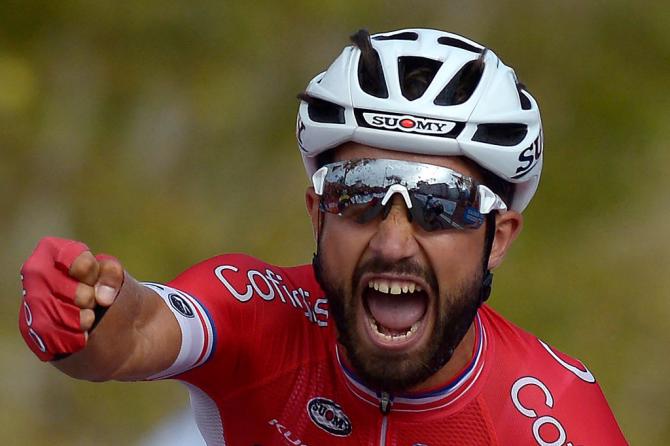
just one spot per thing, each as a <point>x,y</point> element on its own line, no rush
<point>260,358</point>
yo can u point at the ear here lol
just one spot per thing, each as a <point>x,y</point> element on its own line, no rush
<point>508,227</point>
<point>312,203</point>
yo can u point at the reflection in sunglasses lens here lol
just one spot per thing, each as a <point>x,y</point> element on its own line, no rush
<point>440,197</point>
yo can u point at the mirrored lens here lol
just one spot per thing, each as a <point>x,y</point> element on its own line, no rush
<point>440,197</point>
<point>357,203</point>
<point>433,213</point>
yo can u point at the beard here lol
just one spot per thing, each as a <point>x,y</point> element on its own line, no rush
<point>391,371</point>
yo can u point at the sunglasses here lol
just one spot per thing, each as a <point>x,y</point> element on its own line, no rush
<point>436,197</point>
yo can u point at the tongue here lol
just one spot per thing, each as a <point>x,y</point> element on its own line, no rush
<point>396,312</point>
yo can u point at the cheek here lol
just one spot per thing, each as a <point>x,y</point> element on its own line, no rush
<point>455,256</point>
<point>342,245</point>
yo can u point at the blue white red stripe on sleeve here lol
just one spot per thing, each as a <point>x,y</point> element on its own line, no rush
<point>197,332</point>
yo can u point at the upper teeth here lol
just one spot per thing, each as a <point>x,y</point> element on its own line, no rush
<point>393,286</point>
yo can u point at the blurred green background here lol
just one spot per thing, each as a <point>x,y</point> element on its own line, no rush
<point>162,132</point>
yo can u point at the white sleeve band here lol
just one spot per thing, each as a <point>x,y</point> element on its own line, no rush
<point>197,332</point>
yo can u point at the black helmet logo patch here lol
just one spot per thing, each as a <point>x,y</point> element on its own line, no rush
<point>405,123</point>
<point>329,416</point>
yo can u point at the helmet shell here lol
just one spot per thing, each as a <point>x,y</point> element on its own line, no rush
<point>423,125</point>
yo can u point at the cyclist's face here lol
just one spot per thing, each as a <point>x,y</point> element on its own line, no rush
<point>402,298</point>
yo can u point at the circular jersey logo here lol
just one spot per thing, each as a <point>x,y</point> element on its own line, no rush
<point>180,304</point>
<point>329,416</point>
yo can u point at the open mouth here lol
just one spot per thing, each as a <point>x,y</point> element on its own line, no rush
<point>395,312</point>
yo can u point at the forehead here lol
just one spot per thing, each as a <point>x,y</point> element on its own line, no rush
<point>350,151</point>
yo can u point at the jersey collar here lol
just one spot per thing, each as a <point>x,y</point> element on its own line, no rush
<point>441,397</point>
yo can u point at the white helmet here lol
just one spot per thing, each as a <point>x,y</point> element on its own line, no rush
<point>473,105</point>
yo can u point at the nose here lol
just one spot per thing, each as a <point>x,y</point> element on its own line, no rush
<point>394,238</point>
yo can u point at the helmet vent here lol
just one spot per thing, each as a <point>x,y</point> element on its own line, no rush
<point>323,111</point>
<point>370,72</point>
<point>501,134</point>
<point>416,74</point>
<point>463,84</point>
<point>523,96</point>
<point>398,36</point>
<point>458,43</point>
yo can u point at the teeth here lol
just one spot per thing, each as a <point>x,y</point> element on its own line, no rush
<point>395,287</point>
<point>396,337</point>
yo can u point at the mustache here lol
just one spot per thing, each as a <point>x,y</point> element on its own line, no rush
<point>402,267</point>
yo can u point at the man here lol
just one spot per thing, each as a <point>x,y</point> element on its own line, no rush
<point>423,150</point>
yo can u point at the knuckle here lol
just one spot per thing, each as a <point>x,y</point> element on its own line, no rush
<point>29,268</point>
<point>117,269</point>
<point>84,296</point>
<point>112,268</point>
<point>84,264</point>
<point>86,318</point>
<point>45,243</point>
<point>46,246</point>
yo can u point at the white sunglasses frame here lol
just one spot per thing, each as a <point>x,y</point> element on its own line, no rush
<point>488,200</point>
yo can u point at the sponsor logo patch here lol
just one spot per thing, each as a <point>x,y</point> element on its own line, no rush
<point>180,304</point>
<point>329,416</point>
<point>408,123</point>
<point>268,285</point>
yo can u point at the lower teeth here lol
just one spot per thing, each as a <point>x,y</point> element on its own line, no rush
<point>394,337</point>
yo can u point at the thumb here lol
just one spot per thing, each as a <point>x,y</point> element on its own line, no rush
<point>110,280</point>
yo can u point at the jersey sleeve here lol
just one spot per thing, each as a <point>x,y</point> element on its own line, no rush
<point>579,405</point>
<point>198,335</point>
<point>555,400</point>
<point>539,395</point>
<point>238,316</point>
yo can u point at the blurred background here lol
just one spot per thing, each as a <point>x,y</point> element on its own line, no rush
<point>162,132</point>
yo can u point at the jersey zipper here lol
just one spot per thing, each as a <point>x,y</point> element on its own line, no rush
<point>382,435</point>
<point>385,404</point>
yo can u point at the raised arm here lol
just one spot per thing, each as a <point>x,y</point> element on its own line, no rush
<point>90,318</point>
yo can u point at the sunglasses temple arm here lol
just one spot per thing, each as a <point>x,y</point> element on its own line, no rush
<point>489,201</point>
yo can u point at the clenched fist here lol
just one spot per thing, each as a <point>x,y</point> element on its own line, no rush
<point>65,288</point>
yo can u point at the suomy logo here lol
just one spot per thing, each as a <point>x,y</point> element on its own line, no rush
<point>408,123</point>
<point>530,157</point>
<point>329,416</point>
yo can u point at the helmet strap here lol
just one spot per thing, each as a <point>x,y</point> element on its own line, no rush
<point>319,226</point>
<point>487,281</point>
